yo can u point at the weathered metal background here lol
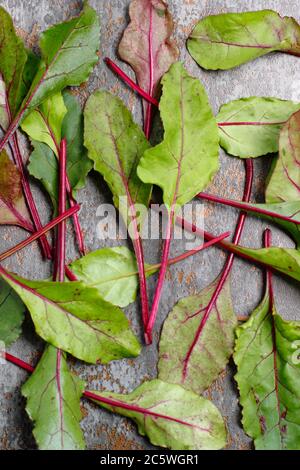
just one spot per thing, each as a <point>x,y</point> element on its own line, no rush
<point>275,75</point>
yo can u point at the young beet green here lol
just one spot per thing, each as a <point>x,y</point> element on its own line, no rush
<point>268,375</point>
<point>52,392</point>
<point>231,39</point>
<point>116,144</point>
<point>186,160</point>
<point>206,323</point>
<point>147,46</point>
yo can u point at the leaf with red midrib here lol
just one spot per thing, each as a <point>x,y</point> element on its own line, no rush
<point>284,183</point>
<point>268,378</point>
<point>53,403</point>
<point>168,415</point>
<point>193,349</point>
<point>147,45</point>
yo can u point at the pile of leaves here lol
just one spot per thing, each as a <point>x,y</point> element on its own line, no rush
<point>79,312</point>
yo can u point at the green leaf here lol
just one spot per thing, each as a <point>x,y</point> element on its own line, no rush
<point>268,378</point>
<point>78,164</point>
<point>13,57</point>
<point>69,53</point>
<point>73,317</point>
<point>284,260</point>
<point>44,123</point>
<point>12,312</point>
<point>187,159</point>
<point>53,403</point>
<point>231,39</point>
<point>284,182</point>
<point>249,127</point>
<point>112,271</point>
<point>116,144</point>
<point>150,60</point>
<point>170,416</point>
<point>43,165</point>
<point>193,348</point>
<point>69,124</point>
<point>13,210</point>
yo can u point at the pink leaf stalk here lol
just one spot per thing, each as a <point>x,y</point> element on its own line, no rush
<point>72,201</point>
<point>39,233</point>
<point>46,249</point>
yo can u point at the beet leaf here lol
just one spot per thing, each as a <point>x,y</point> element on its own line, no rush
<point>147,46</point>
<point>168,415</point>
<point>268,377</point>
<point>284,181</point>
<point>12,312</point>
<point>116,144</point>
<point>186,160</point>
<point>53,403</point>
<point>230,39</point>
<point>250,127</point>
<point>69,53</point>
<point>102,330</point>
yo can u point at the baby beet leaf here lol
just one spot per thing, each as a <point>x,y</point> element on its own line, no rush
<point>13,57</point>
<point>268,376</point>
<point>44,123</point>
<point>76,319</point>
<point>231,39</point>
<point>114,272</point>
<point>12,312</point>
<point>195,367</point>
<point>284,182</point>
<point>147,47</point>
<point>64,118</point>
<point>53,403</point>
<point>69,53</point>
<point>116,144</point>
<point>168,415</point>
<point>187,159</point>
<point>250,127</point>
<point>13,209</point>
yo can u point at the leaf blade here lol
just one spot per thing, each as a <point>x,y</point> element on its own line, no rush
<point>195,424</point>
<point>167,164</point>
<point>59,310</point>
<point>250,127</point>
<point>204,349</point>
<point>12,312</point>
<point>53,402</point>
<point>228,40</point>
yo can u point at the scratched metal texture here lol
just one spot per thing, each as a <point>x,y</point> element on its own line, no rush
<point>275,75</point>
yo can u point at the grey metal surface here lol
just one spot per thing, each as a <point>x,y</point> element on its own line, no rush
<point>275,75</point>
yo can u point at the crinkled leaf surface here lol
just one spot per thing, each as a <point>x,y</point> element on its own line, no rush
<point>116,144</point>
<point>187,159</point>
<point>66,121</point>
<point>12,312</point>
<point>53,403</point>
<point>13,57</point>
<point>231,39</point>
<point>284,182</point>
<point>73,317</point>
<point>147,45</point>
<point>268,377</point>
<point>170,416</point>
<point>13,210</point>
<point>69,53</point>
<point>250,127</point>
<point>194,350</point>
